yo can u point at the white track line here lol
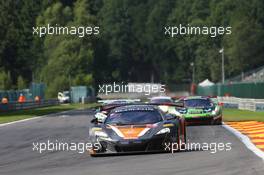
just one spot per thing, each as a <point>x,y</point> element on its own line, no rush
<point>245,140</point>
<point>33,118</point>
<point>20,121</point>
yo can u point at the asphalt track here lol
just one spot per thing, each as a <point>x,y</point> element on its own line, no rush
<point>18,158</point>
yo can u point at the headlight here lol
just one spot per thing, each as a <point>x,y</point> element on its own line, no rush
<point>214,112</point>
<point>182,111</point>
<point>208,110</point>
<point>100,134</point>
<point>163,131</point>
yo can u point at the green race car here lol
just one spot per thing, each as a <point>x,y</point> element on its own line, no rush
<point>201,110</point>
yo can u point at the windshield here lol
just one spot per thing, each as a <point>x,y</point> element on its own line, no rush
<point>196,103</point>
<point>133,118</point>
<point>162,100</point>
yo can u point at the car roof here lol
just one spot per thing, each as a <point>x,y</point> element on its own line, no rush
<point>134,108</point>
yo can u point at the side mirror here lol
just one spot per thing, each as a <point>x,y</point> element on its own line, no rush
<point>179,104</point>
<point>170,117</point>
<point>94,121</point>
<point>100,116</point>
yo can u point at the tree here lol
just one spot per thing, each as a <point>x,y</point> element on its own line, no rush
<point>21,84</point>
<point>16,48</point>
<point>5,81</point>
<point>67,57</point>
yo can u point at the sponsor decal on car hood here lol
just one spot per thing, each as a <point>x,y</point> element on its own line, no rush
<point>130,131</point>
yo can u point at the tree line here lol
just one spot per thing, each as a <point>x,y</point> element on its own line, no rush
<point>131,46</point>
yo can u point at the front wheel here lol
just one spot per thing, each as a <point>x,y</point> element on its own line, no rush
<point>217,121</point>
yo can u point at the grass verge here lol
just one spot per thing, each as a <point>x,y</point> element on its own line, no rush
<point>5,117</point>
<point>242,115</point>
<point>11,116</point>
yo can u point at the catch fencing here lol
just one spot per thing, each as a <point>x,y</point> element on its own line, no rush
<point>241,90</point>
<point>36,89</point>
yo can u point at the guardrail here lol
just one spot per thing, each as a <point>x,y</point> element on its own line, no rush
<point>243,103</point>
<point>14,106</point>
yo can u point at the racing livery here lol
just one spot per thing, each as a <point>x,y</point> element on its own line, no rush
<point>136,128</point>
<point>198,109</point>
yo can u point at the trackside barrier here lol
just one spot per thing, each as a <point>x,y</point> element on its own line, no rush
<point>253,90</point>
<point>243,103</point>
<point>14,106</point>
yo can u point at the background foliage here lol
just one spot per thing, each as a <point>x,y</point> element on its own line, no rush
<point>131,46</point>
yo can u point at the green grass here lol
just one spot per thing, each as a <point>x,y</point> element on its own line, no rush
<point>29,113</point>
<point>229,114</point>
<point>242,115</point>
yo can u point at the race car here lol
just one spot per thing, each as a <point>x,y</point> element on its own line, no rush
<point>200,110</point>
<point>161,99</point>
<point>136,128</point>
<point>64,97</point>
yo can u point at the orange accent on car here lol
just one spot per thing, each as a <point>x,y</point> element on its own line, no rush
<point>131,132</point>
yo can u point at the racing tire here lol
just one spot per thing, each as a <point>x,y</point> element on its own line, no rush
<point>178,139</point>
<point>185,138</point>
<point>218,121</point>
<point>174,141</point>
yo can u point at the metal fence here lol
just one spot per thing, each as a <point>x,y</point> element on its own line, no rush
<point>241,90</point>
<point>243,103</point>
<point>256,75</point>
<point>14,106</point>
<point>13,95</point>
<point>82,94</point>
<point>36,89</point>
